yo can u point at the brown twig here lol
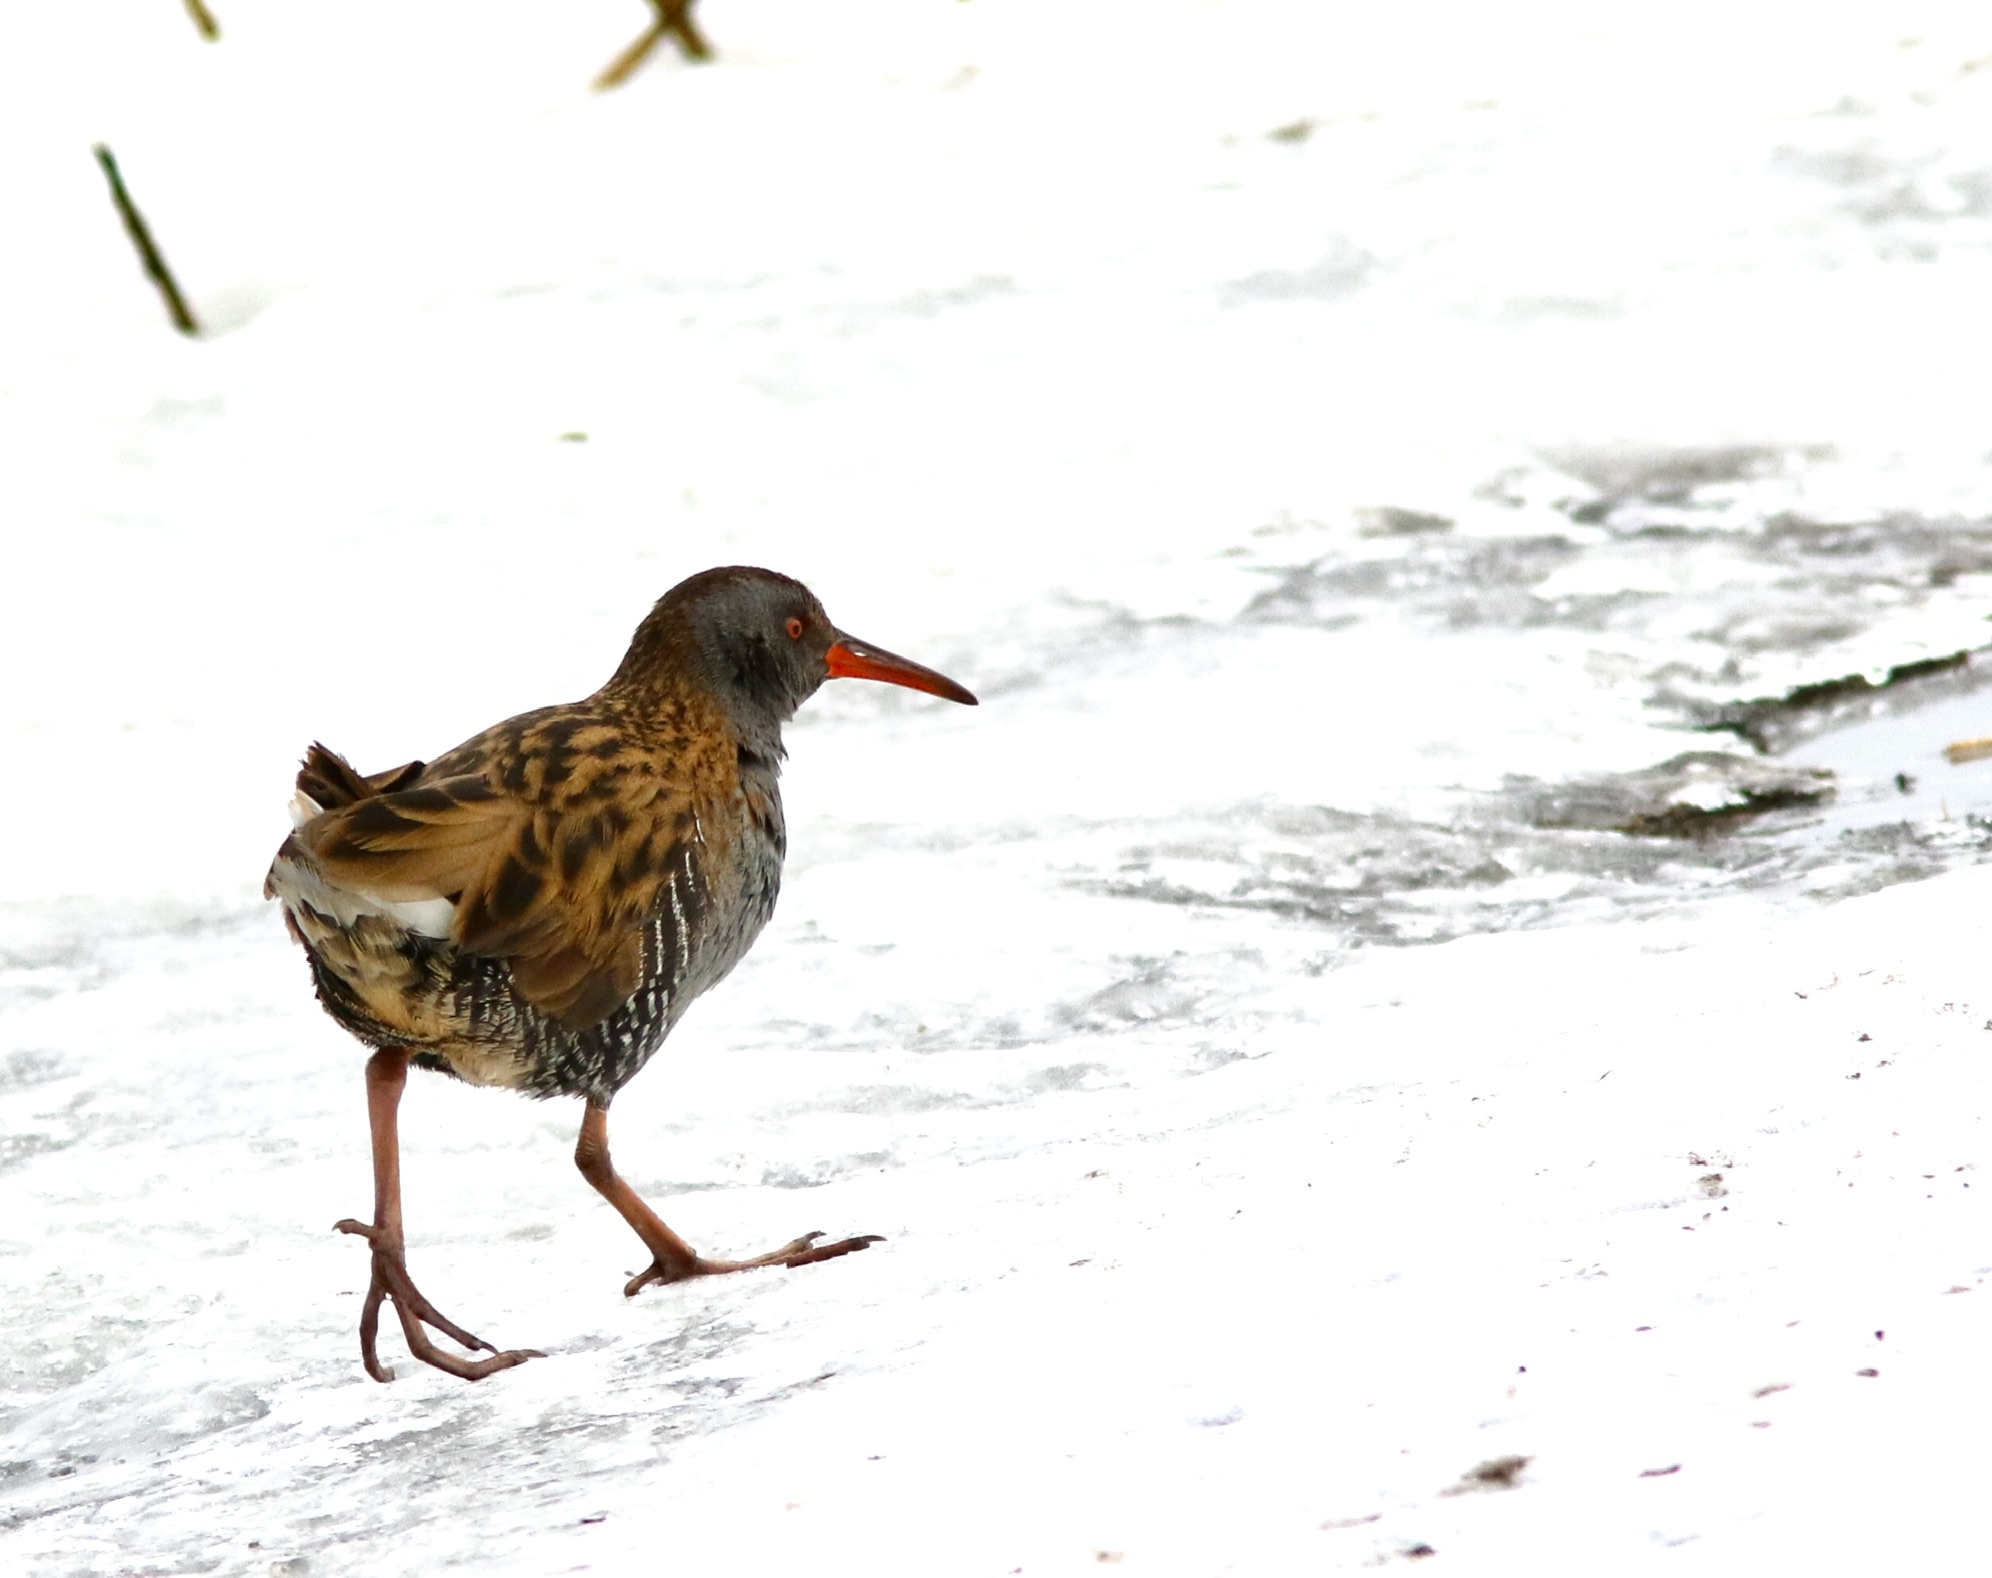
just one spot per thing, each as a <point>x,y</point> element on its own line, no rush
<point>148,254</point>
<point>203,19</point>
<point>674,18</point>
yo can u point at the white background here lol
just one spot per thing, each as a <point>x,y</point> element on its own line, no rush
<point>1270,1119</point>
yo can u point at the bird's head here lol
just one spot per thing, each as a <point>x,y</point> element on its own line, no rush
<point>764,643</point>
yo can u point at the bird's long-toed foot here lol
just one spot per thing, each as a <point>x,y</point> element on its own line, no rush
<point>391,1281</point>
<point>803,1251</point>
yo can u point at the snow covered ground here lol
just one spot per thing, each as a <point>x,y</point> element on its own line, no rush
<point>1356,454</point>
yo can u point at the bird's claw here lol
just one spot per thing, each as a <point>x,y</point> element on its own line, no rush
<point>803,1251</point>
<point>390,1281</point>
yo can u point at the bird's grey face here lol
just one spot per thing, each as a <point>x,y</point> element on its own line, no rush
<point>775,645</point>
<point>768,638</point>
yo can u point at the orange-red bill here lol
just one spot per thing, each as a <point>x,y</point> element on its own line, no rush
<point>850,658</point>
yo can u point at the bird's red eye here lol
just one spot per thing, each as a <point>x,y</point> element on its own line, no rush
<point>795,630</point>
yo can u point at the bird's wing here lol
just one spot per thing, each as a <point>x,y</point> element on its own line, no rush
<point>562,886</point>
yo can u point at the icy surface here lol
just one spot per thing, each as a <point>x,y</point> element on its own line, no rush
<point>1365,461</point>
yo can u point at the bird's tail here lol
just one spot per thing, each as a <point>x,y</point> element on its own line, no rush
<point>325,781</point>
<point>319,910</point>
<point>328,780</point>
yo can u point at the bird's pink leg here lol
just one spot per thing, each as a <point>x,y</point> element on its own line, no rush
<point>387,1074</point>
<point>672,1259</point>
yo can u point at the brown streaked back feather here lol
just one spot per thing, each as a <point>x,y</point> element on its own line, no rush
<point>555,837</point>
<point>432,841</point>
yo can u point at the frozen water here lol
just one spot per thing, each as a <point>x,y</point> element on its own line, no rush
<point>1365,463</point>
